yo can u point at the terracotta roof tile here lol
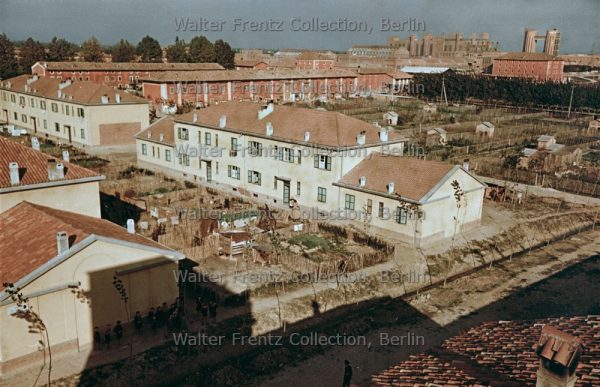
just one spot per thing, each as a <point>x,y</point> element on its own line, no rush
<point>28,236</point>
<point>33,165</point>
<point>326,128</point>
<point>115,66</point>
<point>165,127</point>
<point>246,75</point>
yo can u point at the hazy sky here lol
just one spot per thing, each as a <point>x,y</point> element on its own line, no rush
<point>110,20</point>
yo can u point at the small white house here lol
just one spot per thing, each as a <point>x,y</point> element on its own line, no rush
<point>485,129</point>
<point>436,136</point>
<point>391,118</point>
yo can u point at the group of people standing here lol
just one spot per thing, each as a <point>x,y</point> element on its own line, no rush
<point>104,339</point>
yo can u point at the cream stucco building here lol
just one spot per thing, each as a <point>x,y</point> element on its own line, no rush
<point>65,263</point>
<point>82,113</point>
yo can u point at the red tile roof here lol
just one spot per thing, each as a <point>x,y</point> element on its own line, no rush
<point>246,75</point>
<point>535,56</point>
<point>129,66</point>
<point>326,128</point>
<point>165,127</point>
<point>412,178</point>
<point>77,92</point>
<point>28,236</point>
<point>33,166</point>
<point>505,349</point>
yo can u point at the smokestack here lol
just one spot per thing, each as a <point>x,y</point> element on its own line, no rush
<point>269,129</point>
<point>559,354</point>
<point>223,121</point>
<point>131,226</point>
<point>13,169</point>
<point>466,164</point>
<point>390,187</point>
<point>306,136</point>
<point>361,138</point>
<point>104,99</point>
<point>118,98</point>
<point>56,171</point>
<point>62,242</point>
<point>362,181</point>
<point>65,156</point>
<point>35,143</point>
<point>195,117</point>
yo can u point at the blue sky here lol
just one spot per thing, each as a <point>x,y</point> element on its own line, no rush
<point>110,20</point>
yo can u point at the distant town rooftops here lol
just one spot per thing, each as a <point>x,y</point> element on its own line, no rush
<point>413,178</point>
<point>326,129</point>
<point>246,75</point>
<point>131,66</point>
<point>529,56</point>
<point>314,55</point>
<point>80,92</point>
<point>33,168</point>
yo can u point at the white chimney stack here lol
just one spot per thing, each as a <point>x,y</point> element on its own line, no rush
<point>306,136</point>
<point>131,226</point>
<point>195,117</point>
<point>466,165</point>
<point>65,156</point>
<point>35,143</point>
<point>266,110</point>
<point>118,98</point>
<point>161,137</point>
<point>383,135</point>
<point>390,187</point>
<point>59,93</point>
<point>361,138</point>
<point>269,129</point>
<point>56,171</point>
<point>104,99</point>
<point>223,121</point>
<point>62,242</point>
<point>14,173</point>
<point>149,134</point>
<point>362,181</point>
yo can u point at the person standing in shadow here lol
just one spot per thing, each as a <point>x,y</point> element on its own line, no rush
<point>347,374</point>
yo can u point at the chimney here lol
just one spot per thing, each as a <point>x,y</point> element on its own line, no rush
<point>195,117</point>
<point>35,143</point>
<point>466,164</point>
<point>390,187</point>
<point>306,136</point>
<point>131,226</point>
<point>559,355</point>
<point>223,121</point>
<point>383,135</point>
<point>269,129</point>
<point>59,93</point>
<point>118,98</point>
<point>104,98</point>
<point>32,79</point>
<point>266,110</point>
<point>64,84</point>
<point>362,181</point>
<point>149,134</point>
<point>65,155</point>
<point>361,138</point>
<point>62,242</point>
<point>13,168</point>
<point>56,171</point>
<point>161,137</point>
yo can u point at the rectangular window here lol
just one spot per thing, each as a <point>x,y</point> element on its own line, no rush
<point>82,133</point>
<point>167,155</point>
<point>153,151</point>
<point>234,147</point>
<point>4,96</point>
<point>16,116</point>
<point>380,211</point>
<point>286,154</point>
<point>298,189</point>
<point>299,156</point>
<point>144,149</point>
<point>80,113</point>
<point>32,102</point>
<point>54,107</point>
<point>217,168</point>
<point>67,110</point>
<point>207,139</point>
<point>22,101</point>
<point>349,202</point>
<point>186,160</point>
<point>255,148</point>
<point>233,172</point>
<point>254,177</point>
<point>46,124</point>
<point>323,162</point>
<point>369,206</point>
<point>401,215</point>
<point>43,105</point>
<point>216,140</point>
<point>24,118</point>
<point>321,194</point>
<point>183,134</point>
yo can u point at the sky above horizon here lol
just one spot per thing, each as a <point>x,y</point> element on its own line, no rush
<point>283,22</point>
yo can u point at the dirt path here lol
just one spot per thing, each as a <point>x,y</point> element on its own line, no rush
<point>466,303</point>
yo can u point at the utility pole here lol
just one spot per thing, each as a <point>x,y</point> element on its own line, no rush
<point>444,96</point>
<point>571,101</point>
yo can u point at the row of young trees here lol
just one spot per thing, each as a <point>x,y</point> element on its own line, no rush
<point>516,91</point>
<point>200,49</point>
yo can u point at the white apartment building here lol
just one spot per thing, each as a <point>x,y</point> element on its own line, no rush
<point>76,112</point>
<point>283,156</point>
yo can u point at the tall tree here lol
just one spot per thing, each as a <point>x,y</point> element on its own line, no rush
<point>8,62</point>
<point>201,50</point>
<point>123,52</point>
<point>177,53</point>
<point>149,50</point>
<point>92,50</point>
<point>224,55</point>
<point>31,51</point>
<point>61,50</point>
